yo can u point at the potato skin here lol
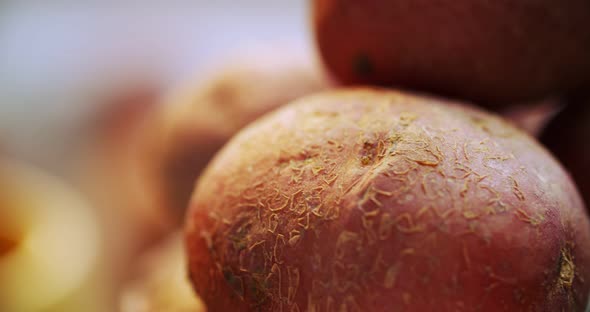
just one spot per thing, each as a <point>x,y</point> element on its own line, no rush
<point>196,120</point>
<point>373,200</point>
<point>493,52</point>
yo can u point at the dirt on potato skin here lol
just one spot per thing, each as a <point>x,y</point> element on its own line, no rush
<point>373,200</point>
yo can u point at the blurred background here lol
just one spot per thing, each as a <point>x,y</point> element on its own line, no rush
<point>75,79</point>
<point>58,62</point>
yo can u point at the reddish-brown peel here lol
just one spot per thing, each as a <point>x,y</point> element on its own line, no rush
<point>373,200</point>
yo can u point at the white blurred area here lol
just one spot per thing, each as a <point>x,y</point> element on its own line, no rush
<point>59,59</point>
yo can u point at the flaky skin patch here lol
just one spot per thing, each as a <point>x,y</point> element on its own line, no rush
<point>373,200</point>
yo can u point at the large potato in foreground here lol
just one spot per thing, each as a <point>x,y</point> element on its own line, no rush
<point>196,121</point>
<point>489,51</point>
<point>371,200</point>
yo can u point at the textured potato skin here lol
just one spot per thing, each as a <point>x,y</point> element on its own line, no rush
<point>493,52</point>
<point>374,200</point>
<point>198,119</point>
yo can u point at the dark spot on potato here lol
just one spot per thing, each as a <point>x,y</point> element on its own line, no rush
<point>257,289</point>
<point>362,65</point>
<point>235,282</point>
<point>368,153</point>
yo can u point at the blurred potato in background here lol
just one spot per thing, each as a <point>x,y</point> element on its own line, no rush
<point>197,119</point>
<point>160,281</point>
<point>101,171</point>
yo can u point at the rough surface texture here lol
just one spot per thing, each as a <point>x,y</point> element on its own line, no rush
<point>372,200</point>
<point>196,121</point>
<point>489,51</point>
<point>567,137</point>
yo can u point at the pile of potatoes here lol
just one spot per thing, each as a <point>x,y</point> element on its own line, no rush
<point>381,184</point>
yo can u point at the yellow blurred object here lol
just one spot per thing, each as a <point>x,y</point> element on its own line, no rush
<point>161,283</point>
<point>49,239</point>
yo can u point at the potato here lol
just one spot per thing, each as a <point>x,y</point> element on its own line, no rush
<point>494,52</point>
<point>104,169</point>
<point>566,136</point>
<point>160,282</point>
<point>374,200</point>
<point>107,162</point>
<point>195,121</point>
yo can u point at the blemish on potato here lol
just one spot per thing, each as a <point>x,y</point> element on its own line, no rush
<point>278,248</point>
<point>405,224</point>
<point>390,276</point>
<point>274,280</point>
<point>362,65</point>
<point>330,304</point>
<point>235,282</point>
<point>407,297</point>
<point>346,241</point>
<point>294,237</point>
<point>517,192</point>
<point>534,219</point>
<point>567,269</point>
<point>294,277</point>
<point>273,222</point>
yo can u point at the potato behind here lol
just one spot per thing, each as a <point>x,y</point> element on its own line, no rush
<point>195,121</point>
<point>492,52</point>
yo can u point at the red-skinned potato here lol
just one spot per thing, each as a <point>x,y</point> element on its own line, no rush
<point>197,119</point>
<point>374,200</point>
<point>566,136</point>
<point>494,52</point>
